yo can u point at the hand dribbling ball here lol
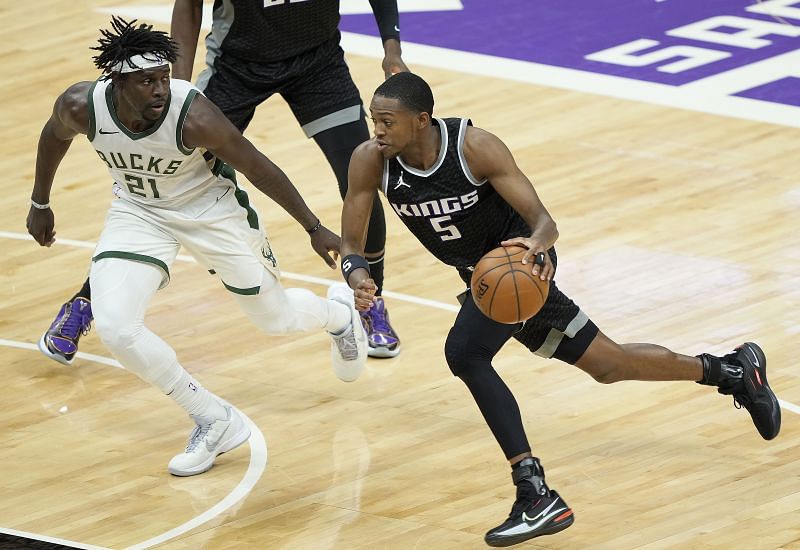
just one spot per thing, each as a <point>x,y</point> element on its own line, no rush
<point>504,289</point>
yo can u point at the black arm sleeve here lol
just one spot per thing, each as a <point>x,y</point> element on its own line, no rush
<point>387,18</point>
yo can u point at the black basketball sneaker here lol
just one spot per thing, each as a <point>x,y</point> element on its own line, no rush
<point>743,374</point>
<point>537,511</point>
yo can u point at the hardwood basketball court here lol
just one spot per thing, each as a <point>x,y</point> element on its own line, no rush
<point>677,227</point>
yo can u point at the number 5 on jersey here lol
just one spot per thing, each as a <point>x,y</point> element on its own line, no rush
<point>450,231</point>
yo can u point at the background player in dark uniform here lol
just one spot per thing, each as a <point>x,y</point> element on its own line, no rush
<point>256,49</point>
<point>459,191</point>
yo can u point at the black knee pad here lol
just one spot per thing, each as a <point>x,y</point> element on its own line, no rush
<point>462,357</point>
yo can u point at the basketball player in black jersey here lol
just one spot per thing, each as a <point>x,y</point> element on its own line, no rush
<point>460,192</point>
<point>256,49</point>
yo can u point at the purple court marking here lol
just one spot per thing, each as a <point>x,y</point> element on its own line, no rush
<point>562,33</point>
<point>785,90</point>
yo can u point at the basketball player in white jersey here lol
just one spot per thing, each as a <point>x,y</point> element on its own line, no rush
<point>171,155</point>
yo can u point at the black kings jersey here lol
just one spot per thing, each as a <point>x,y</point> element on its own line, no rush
<point>455,216</point>
<point>265,31</point>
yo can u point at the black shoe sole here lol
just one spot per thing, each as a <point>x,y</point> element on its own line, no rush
<point>516,539</point>
<point>762,371</point>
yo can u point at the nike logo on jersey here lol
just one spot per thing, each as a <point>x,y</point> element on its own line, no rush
<point>106,133</point>
<point>437,207</point>
<point>400,183</point>
<point>396,28</point>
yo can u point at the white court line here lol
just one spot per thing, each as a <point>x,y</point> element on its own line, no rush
<point>284,274</point>
<point>80,354</point>
<point>258,463</point>
<point>709,96</point>
<point>255,469</point>
<point>256,459</point>
<point>705,97</point>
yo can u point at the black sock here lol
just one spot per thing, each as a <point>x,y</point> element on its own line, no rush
<point>84,292</point>
<point>376,272</point>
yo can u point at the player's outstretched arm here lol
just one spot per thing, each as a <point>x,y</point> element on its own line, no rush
<point>207,127</point>
<point>187,16</point>
<point>363,178</point>
<point>388,20</point>
<point>70,117</point>
<point>488,157</point>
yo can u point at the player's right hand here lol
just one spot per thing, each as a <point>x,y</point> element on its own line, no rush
<point>364,294</point>
<point>324,241</point>
<point>41,224</point>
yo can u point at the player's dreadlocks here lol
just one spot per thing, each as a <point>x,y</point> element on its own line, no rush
<point>126,40</point>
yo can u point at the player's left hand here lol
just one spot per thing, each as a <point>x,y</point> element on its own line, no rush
<point>364,294</point>
<point>41,224</point>
<point>324,242</point>
<point>536,254</point>
<point>392,61</point>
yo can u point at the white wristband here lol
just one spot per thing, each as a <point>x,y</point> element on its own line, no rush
<point>38,206</point>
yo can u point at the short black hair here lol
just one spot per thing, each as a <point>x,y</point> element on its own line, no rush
<point>125,40</point>
<point>410,89</point>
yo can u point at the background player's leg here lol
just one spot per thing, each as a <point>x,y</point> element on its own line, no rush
<point>122,291</point>
<point>327,104</point>
<point>338,144</point>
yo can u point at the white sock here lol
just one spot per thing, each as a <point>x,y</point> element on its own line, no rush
<point>195,399</point>
<point>338,317</point>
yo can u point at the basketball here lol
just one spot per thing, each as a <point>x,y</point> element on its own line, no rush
<point>504,288</point>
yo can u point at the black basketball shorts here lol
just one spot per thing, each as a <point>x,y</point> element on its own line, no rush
<point>560,329</point>
<point>316,84</point>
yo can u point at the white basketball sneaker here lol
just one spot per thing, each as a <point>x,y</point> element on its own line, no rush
<point>208,439</point>
<point>349,348</point>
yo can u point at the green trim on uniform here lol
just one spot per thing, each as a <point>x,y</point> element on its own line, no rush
<point>243,291</point>
<point>227,172</point>
<point>181,118</point>
<point>133,257</point>
<point>126,131</point>
<point>217,168</point>
<point>92,119</point>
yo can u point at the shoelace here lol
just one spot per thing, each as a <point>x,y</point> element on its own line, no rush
<point>346,343</point>
<point>197,436</point>
<point>75,323</point>
<point>741,400</point>
<point>379,322</point>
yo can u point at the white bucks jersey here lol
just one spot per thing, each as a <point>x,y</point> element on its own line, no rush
<point>152,167</point>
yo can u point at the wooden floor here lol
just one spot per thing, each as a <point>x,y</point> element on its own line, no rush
<point>676,227</point>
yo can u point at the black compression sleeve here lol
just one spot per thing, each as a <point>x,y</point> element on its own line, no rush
<point>387,18</point>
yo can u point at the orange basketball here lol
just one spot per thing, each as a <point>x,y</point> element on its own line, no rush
<point>504,288</point>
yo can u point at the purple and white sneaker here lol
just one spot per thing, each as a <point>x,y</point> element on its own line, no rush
<point>60,342</point>
<point>382,340</point>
